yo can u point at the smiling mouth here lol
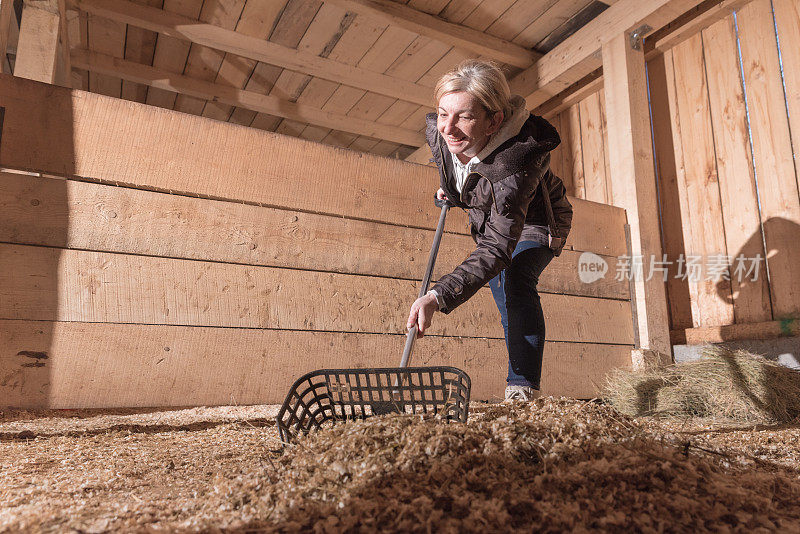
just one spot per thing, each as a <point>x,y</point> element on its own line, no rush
<point>454,139</point>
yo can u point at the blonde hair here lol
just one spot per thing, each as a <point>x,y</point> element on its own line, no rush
<point>480,78</point>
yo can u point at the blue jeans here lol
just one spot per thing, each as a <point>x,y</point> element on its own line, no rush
<point>517,299</point>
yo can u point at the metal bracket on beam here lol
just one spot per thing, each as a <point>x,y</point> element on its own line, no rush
<point>637,36</point>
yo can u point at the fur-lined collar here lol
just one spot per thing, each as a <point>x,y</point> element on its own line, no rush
<point>510,127</point>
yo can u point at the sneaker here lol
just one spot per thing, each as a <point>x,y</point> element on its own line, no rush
<point>521,393</point>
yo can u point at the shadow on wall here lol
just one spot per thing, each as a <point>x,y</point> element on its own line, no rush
<point>779,295</point>
<point>776,298</point>
<point>35,133</point>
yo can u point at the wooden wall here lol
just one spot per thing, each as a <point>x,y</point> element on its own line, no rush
<point>164,259</point>
<point>582,158</point>
<point>726,108</point>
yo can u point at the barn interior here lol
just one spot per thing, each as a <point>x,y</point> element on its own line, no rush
<point>202,200</point>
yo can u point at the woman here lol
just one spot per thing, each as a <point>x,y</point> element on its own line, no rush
<point>494,160</point>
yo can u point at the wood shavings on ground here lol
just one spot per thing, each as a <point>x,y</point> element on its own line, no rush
<point>553,465</point>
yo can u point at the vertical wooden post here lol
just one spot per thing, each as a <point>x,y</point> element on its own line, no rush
<point>631,158</point>
<point>6,12</point>
<point>37,51</point>
<point>64,63</point>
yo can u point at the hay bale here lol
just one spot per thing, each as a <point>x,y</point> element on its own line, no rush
<point>724,384</point>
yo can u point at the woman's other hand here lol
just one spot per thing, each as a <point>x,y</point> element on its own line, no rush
<point>440,196</point>
<point>422,312</point>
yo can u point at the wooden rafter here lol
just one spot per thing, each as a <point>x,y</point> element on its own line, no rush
<point>257,20</point>
<point>587,86</point>
<point>6,14</point>
<point>704,15</point>
<point>203,63</point>
<point>422,155</point>
<point>214,92</point>
<point>37,51</point>
<point>65,65</point>
<point>579,55</point>
<point>453,34</point>
<point>230,41</point>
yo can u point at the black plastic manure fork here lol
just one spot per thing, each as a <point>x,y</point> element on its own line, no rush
<point>330,395</point>
<point>327,396</point>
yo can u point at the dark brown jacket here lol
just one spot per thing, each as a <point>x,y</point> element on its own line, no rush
<point>504,196</point>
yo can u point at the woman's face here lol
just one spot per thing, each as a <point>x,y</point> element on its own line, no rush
<point>465,124</point>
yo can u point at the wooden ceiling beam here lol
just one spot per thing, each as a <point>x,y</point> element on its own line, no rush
<point>587,86</point>
<point>239,44</point>
<point>579,55</point>
<point>65,67</point>
<point>37,50</point>
<point>6,14</point>
<point>480,43</point>
<point>422,155</point>
<point>214,92</point>
<point>704,15</point>
<point>13,36</point>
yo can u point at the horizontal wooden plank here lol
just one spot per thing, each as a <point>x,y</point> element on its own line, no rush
<point>42,283</point>
<point>736,332</point>
<point>597,228</point>
<point>89,365</point>
<point>74,133</point>
<point>82,215</point>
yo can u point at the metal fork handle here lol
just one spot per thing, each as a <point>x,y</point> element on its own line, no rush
<point>426,280</point>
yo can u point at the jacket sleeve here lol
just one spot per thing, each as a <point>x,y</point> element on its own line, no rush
<point>511,198</point>
<point>562,209</point>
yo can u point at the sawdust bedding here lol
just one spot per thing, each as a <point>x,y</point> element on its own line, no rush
<point>553,465</point>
